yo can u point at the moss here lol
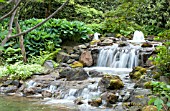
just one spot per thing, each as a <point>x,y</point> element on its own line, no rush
<point>150,108</point>
<point>138,68</point>
<point>148,85</point>
<point>156,75</point>
<point>136,75</point>
<point>116,83</point>
<point>76,64</point>
<point>142,70</point>
<point>94,42</point>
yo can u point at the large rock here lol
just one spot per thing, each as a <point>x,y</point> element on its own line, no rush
<point>107,42</point>
<point>110,98</point>
<point>62,57</point>
<point>137,72</point>
<point>110,82</point>
<point>86,58</point>
<point>73,74</point>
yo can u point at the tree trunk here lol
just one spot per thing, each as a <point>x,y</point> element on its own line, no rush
<point>21,38</point>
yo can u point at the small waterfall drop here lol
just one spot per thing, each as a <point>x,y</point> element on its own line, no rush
<point>138,36</point>
<point>118,57</point>
<point>96,36</point>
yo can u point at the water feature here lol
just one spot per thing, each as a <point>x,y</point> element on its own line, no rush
<point>118,57</point>
<point>96,36</point>
<point>138,37</point>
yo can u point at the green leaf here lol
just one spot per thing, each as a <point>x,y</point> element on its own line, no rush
<point>158,103</point>
<point>151,101</point>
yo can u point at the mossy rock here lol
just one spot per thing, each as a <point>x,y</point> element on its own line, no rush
<point>76,64</point>
<point>94,42</point>
<point>137,68</point>
<point>135,75</point>
<point>96,102</point>
<point>148,85</point>
<point>142,70</point>
<point>156,75</point>
<point>146,44</point>
<point>111,82</point>
<point>150,108</point>
<point>116,84</point>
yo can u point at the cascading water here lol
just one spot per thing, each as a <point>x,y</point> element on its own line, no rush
<point>118,57</point>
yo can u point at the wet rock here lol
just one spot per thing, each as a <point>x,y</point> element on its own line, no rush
<point>140,96</point>
<point>110,98</point>
<point>48,64</point>
<point>111,82</point>
<point>30,91</point>
<point>86,58</point>
<point>95,102</point>
<point>46,93</point>
<point>11,82</point>
<point>10,89</point>
<point>76,64</point>
<point>137,72</point>
<point>146,44</point>
<point>123,44</point>
<point>79,101</point>
<point>94,73</point>
<point>94,43</point>
<point>95,53</point>
<point>106,42</point>
<point>70,61</point>
<point>73,74</point>
<point>150,108</point>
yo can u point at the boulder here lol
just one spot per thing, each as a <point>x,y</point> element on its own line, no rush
<point>137,72</point>
<point>106,42</point>
<point>86,58</point>
<point>109,97</point>
<point>111,82</point>
<point>123,44</point>
<point>62,57</point>
<point>48,64</point>
<point>79,101</point>
<point>73,74</point>
<point>147,44</point>
<point>150,108</point>
<point>95,102</point>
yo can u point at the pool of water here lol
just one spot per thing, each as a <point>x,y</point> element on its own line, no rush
<point>10,103</point>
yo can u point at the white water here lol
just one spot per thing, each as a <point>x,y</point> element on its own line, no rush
<point>96,36</point>
<point>118,57</point>
<point>138,37</point>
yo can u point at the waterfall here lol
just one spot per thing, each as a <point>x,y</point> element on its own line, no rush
<point>118,57</point>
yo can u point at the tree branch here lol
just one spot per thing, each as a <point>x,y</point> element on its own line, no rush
<point>10,29</point>
<point>41,23</point>
<point>9,13</point>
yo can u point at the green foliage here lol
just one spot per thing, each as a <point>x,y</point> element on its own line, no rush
<point>162,59</point>
<point>160,90</point>
<point>89,13</point>
<point>44,55</point>
<point>48,37</point>
<point>20,71</point>
<point>119,20</point>
<point>96,27</point>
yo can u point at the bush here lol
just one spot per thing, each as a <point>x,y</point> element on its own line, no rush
<point>47,37</point>
<point>20,71</point>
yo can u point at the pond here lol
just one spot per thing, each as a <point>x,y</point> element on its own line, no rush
<point>11,103</point>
